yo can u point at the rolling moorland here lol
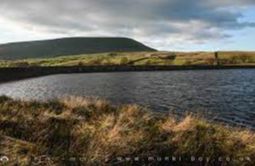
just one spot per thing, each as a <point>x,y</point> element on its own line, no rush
<point>68,46</point>
<point>96,131</point>
<point>109,51</point>
<point>93,132</point>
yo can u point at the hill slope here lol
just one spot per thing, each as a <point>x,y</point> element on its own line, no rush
<point>68,46</point>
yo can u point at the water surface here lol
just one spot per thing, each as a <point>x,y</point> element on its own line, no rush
<point>223,95</point>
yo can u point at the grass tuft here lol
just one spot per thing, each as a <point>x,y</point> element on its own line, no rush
<point>100,132</point>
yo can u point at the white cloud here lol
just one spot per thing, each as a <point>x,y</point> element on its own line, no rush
<point>157,22</point>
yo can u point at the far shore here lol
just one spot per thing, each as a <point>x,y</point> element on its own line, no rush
<point>17,73</point>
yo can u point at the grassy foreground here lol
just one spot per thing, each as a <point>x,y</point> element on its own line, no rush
<point>99,133</point>
<point>140,58</point>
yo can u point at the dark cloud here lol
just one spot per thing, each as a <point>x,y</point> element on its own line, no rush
<point>195,20</point>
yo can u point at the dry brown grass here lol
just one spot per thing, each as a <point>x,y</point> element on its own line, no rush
<point>140,58</point>
<point>97,133</point>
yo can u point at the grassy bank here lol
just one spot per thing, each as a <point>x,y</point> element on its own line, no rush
<point>140,58</point>
<point>97,132</point>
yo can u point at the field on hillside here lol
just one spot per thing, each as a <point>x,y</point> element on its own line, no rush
<point>140,58</point>
<point>86,131</point>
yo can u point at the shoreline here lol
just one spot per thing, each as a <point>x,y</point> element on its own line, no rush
<point>18,73</point>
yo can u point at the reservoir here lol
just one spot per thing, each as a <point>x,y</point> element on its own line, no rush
<point>220,95</point>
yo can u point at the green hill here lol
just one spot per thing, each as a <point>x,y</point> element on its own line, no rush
<point>68,46</point>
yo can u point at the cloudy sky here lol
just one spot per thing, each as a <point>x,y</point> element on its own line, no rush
<point>163,24</point>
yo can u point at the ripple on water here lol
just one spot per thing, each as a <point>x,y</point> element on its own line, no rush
<point>223,95</point>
